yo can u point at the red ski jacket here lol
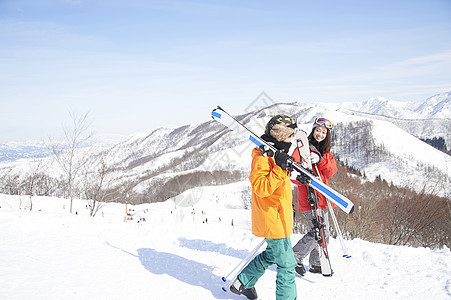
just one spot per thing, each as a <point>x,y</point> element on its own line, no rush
<point>326,168</point>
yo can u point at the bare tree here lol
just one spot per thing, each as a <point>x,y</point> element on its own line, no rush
<point>10,183</point>
<point>65,153</point>
<point>411,218</point>
<point>96,188</point>
<point>33,178</point>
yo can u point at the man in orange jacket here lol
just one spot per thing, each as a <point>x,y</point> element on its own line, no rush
<point>272,213</point>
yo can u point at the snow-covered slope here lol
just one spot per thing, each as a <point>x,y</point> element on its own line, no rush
<point>181,251</point>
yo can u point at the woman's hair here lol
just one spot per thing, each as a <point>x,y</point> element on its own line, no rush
<point>324,145</point>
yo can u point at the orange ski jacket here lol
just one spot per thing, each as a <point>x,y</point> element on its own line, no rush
<point>272,210</point>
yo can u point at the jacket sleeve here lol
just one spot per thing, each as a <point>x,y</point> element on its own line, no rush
<point>327,165</point>
<point>266,176</point>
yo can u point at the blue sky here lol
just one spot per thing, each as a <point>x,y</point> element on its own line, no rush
<point>139,65</point>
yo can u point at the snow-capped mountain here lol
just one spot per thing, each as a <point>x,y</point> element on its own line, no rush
<point>435,107</point>
<point>438,106</point>
<point>159,164</point>
<point>384,107</point>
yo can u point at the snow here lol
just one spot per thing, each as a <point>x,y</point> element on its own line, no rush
<point>48,253</point>
<point>400,146</point>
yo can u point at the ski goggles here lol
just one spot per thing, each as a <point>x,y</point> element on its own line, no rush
<point>323,122</point>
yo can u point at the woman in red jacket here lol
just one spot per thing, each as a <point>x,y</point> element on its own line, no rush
<point>324,165</point>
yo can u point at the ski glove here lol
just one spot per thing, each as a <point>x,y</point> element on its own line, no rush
<point>283,160</point>
<point>315,158</point>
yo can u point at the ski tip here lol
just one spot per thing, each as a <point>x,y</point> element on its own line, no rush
<point>224,279</point>
<point>352,210</point>
<point>224,289</point>
<point>215,114</point>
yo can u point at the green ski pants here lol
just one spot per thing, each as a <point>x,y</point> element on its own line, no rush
<point>279,252</point>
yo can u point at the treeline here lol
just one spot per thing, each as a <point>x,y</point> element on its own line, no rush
<point>388,214</point>
<point>438,143</point>
<point>163,189</point>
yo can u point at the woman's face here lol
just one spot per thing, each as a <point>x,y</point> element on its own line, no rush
<point>319,133</point>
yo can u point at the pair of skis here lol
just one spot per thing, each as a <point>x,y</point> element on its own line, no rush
<point>304,169</point>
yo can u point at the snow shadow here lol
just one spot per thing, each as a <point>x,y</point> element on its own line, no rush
<point>185,270</point>
<point>204,245</point>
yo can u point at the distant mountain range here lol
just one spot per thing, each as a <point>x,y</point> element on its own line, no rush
<point>435,107</point>
<point>13,151</point>
<point>379,137</point>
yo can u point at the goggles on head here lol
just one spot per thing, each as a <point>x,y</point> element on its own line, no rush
<point>323,122</point>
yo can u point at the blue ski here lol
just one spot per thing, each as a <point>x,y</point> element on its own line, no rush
<point>229,121</point>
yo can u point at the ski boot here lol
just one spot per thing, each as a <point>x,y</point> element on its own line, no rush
<point>238,288</point>
<point>300,269</point>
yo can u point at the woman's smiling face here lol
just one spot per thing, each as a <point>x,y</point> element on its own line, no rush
<point>319,133</point>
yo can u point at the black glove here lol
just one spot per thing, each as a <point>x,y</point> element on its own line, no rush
<point>283,160</point>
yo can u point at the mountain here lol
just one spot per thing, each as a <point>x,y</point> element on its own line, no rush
<point>385,107</point>
<point>155,166</point>
<point>425,120</point>
<point>435,107</point>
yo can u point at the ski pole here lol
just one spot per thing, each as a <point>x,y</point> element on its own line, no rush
<point>245,259</point>
<point>241,265</point>
<point>340,235</point>
<point>334,219</point>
